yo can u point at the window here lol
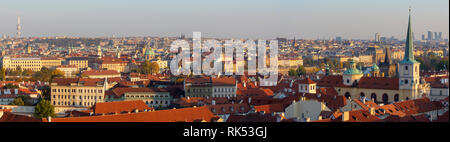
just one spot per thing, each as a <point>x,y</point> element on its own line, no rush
<point>347,95</point>
<point>406,67</point>
<point>385,98</point>
<point>373,96</point>
<point>396,98</point>
<point>406,81</point>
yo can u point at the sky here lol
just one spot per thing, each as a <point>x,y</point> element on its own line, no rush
<point>257,19</point>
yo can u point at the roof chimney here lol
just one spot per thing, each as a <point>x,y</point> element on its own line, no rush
<point>308,119</point>
<point>345,116</point>
<point>372,111</point>
<point>49,118</point>
<point>213,102</point>
<point>320,117</point>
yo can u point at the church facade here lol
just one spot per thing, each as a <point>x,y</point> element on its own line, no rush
<point>405,85</point>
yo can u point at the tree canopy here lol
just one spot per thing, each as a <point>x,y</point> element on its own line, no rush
<point>44,109</point>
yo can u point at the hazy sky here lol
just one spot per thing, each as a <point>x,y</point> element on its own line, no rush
<point>307,19</point>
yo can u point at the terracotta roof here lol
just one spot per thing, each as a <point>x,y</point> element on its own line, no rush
<point>227,81</point>
<point>11,117</point>
<point>395,118</point>
<point>271,108</point>
<point>422,105</point>
<point>172,115</point>
<point>306,81</point>
<point>101,72</point>
<point>331,81</point>
<point>378,83</point>
<point>120,91</point>
<point>119,107</point>
<point>253,117</point>
<point>229,108</point>
<point>86,81</point>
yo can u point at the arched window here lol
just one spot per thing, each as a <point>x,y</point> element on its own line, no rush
<point>385,98</point>
<point>347,95</point>
<point>362,95</point>
<point>407,98</point>
<point>396,98</point>
<point>373,97</point>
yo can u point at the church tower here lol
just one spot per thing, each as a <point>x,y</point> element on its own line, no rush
<point>352,75</point>
<point>408,68</point>
<point>28,48</point>
<point>99,51</point>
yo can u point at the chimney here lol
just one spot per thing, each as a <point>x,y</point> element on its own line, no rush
<point>320,117</point>
<point>372,111</point>
<point>308,119</point>
<point>213,102</point>
<point>49,118</point>
<point>345,116</point>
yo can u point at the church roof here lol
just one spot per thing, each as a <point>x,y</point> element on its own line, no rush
<point>409,51</point>
<point>352,71</point>
<point>375,67</point>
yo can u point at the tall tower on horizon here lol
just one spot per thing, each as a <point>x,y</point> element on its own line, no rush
<point>18,27</point>
<point>408,68</point>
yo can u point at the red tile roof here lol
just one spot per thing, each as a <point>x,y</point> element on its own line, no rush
<point>11,117</point>
<point>101,72</point>
<point>219,109</point>
<point>120,91</point>
<point>331,81</point>
<point>378,83</point>
<point>306,81</point>
<point>86,81</point>
<point>395,118</point>
<point>253,117</point>
<point>119,107</point>
<point>173,115</point>
<point>271,108</point>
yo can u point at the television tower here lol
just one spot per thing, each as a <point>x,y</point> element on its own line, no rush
<point>18,27</point>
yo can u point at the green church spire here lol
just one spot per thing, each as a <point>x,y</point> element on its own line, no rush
<point>409,51</point>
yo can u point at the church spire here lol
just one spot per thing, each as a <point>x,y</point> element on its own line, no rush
<point>409,50</point>
<point>387,56</point>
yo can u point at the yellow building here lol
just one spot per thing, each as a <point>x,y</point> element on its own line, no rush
<point>80,62</point>
<point>33,64</point>
<point>79,92</point>
<point>50,62</point>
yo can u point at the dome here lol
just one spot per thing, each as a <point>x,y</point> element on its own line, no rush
<point>375,67</point>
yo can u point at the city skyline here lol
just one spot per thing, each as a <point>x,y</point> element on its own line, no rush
<point>228,20</point>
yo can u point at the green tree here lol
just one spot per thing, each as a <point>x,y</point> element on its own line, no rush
<point>2,74</point>
<point>292,72</point>
<point>44,109</point>
<point>18,101</point>
<point>46,92</point>
<point>27,72</point>
<point>11,86</point>
<point>149,68</point>
<point>301,70</point>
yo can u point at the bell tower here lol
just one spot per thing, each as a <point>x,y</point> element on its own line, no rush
<point>409,68</point>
